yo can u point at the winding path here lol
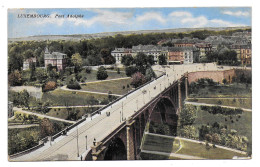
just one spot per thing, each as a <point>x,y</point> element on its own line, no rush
<point>206,104</point>
<point>41,115</point>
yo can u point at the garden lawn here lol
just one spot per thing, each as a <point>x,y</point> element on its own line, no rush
<point>242,125</point>
<point>167,145</point>
<point>59,97</point>
<point>199,150</point>
<point>231,90</point>
<point>93,75</point>
<point>115,86</point>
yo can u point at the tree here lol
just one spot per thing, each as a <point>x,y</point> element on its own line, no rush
<point>149,74</point>
<point>130,70</point>
<point>106,56</point>
<point>188,131</point>
<point>15,78</point>
<point>41,75</point>
<point>127,60</point>
<point>162,60</point>
<point>76,60</point>
<point>46,127</point>
<point>138,79</point>
<point>24,97</point>
<point>188,115</point>
<point>150,60</point>
<point>32,71</point>
<point>73,84</point>
<point>102,73</point>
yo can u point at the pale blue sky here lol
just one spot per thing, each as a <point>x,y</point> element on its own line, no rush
<point>123,19</point>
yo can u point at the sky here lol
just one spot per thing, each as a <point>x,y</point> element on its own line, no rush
<point>96,20</point>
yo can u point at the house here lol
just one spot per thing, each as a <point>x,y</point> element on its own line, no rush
<point>180,55</point>
<point>27,62</point>
<point>56,59</point>
<point>203,48</point>
<point>153,50</point>
<point>118,53</point>
<point>246,54</point>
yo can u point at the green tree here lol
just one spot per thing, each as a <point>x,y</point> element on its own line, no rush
<point>77,62</point>
<point>25,97</point>
<point>102,73</point>
<point>150,60</point>
<point>149,74</point>
<point>188,115</point>
<point>188,131</point>
<point>162,60</point>
<point>127,60</point>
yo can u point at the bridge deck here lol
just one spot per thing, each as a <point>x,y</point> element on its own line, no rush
<point>101,125</point>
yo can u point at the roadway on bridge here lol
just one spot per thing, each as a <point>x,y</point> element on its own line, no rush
<point>101,125</point>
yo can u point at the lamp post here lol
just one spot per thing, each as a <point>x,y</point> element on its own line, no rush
<point>77,142</point>
<point>86,141</point>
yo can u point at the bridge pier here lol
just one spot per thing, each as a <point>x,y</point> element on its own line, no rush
<point>179,98</point>
<point>186,85</point>
<point>130,139</point>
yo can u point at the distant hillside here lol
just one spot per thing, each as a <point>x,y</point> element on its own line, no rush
<point>77,37</point>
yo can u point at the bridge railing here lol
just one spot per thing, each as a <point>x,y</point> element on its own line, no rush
<point>118,99</point>
<point>26,151</point>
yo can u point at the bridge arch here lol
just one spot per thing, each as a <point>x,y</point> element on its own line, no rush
<point>164,111</point>
<point>116,150</point>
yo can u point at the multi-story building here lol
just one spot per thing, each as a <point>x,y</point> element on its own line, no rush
<point>118,53</point>
<point>180,55</point>
<point>27,62</point>
<point>203,48</point>
<point>246,54</point>
<point>56,59</point>
<point>156,51</point>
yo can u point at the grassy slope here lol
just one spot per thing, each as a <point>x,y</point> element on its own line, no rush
<point>240,103</point>
<point>162,144</point>
<point>199,150</point>
<point>116,86</point>
<point>58,97</point>
<point>232,90</point>
<point>243,125</point>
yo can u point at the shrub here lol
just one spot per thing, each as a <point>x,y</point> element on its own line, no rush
<point>73,84</point>
<point>102,73</point>
<point>88,70</point>
<point>48,86</point>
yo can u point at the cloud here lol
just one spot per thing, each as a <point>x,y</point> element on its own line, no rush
<point>222,23</point>
<point>186,19</point>
<point>150,16</point>
<point>105,17</point>
<point>237,13</point>
<point>180,14</point>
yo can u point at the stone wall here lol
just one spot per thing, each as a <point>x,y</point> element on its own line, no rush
<point>216,76</point>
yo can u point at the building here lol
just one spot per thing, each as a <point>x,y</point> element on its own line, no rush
<point>10,109</point>
<point>185,42</point>
<point>203,48</point>
<point>180,55</point>
<point>246,54</point>
<point>27,62</point>
<point>156,51</point>
<point>56,59</point>
<point>118,53</point>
